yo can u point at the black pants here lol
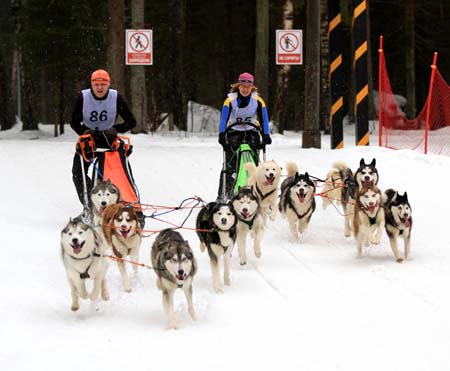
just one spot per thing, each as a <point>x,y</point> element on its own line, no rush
<point>229,174</point>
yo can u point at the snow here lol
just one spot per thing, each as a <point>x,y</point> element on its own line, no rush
<point>310,305</point>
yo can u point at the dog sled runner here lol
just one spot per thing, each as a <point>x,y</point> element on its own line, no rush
<point>109,164</point>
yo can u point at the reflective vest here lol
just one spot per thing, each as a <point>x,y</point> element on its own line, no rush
<point>99,114</point>
<point>247,114</point>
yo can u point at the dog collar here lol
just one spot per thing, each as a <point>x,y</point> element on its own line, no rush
<point>86,257</point>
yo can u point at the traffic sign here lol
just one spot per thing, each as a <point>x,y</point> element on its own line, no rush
<point>289,47</point>
<point>139,47</point>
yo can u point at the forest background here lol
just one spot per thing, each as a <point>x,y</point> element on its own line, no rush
<point>48,49</point>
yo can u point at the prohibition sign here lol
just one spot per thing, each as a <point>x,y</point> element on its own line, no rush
<point>289,42</point>
<point>140,41</point>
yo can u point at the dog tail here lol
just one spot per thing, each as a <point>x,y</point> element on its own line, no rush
<point>251,168</point>
<point>291,168</point>
<point>340,166</point>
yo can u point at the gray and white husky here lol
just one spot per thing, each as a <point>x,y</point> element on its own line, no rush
<point>175,267</point>
<point>216,229</point>
<point>103,194</point>
<point>248,210</point>
<point>369,218</point>
<point>398,221</point>
<point>297,201</point>
<point>83,256</point>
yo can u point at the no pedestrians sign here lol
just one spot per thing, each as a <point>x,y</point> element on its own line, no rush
<point>139,47</point>
<point>289,47</point>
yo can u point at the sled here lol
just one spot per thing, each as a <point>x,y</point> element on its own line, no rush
<point>244,153</point>
<point>109,164</point>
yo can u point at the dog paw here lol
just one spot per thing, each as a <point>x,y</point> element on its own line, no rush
<point>258,253</point>
<point>399,260</point>
<point>84,295</point>
<point>94,295</point>
<point>218,290</point>
<point>193,315</point>
<point>105,295</point>
<point>74,307</point>
<point>243,263</point>
<point>127,289</point>
<point>227,281</point>
<point>172,326</point>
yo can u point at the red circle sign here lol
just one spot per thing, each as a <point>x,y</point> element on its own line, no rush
<point>289,42</point>
<point>139,42</point>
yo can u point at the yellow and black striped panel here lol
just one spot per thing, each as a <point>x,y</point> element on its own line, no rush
<point>336,76</point>
<point>360,72</point>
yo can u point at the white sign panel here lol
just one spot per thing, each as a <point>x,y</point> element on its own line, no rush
<point>139,47</point>
<point>289,47</point>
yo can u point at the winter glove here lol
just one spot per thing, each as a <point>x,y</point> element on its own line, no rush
<point>222,139</point>
<point>267,139</point>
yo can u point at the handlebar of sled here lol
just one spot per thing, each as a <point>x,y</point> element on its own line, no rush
<point>258,129</point>
<point>86,146</point>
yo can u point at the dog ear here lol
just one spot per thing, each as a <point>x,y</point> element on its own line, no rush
<point>373,162</point>
<point>306,175</point>
<point>405,196</point>
<point>362,163</point>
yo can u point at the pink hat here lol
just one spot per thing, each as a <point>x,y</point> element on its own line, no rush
<point>246,78</point>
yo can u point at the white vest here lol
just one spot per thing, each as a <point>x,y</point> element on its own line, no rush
<point>99,114</point>
<point>247,114</point>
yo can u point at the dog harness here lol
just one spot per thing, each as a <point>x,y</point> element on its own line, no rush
<point>85,274</point>
<point>263,196</point>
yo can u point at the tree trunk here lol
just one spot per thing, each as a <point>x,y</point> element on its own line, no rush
<point>311,132</point>
<point>6,102</point>
<point>262,49</point>
<point>410,59</point>
<point>116,40</point>
<point>279,110</point>
<point>138,90</point>
<point>177,96</point>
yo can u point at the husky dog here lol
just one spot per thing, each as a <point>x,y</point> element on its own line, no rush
<point>265,179</point>
<point>340,187</point>
<point>175,267</point>
<point>297,201</point>
<point>398,221</point>
<point>369,217</point>
<point>123,234</point>
<point>216,229</point>
<point>248,210</point>
<point>366,174</point>
<point>102,195</point>
<point>83,257</point>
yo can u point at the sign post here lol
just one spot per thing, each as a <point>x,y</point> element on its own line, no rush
<point>289,47</point>
<point>139,47</point>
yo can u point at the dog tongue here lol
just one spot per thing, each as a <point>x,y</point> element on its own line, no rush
<point>77,249</point>
<point>301,197</point>
<point>269,181</point>
<point>407,223</point>
<point>372,208</point>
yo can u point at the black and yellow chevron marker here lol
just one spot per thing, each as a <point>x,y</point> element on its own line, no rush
<point>360,72</point>
<point>336,76</point>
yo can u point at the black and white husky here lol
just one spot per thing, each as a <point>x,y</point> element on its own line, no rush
<point>297,201</point>
<point>216,229</point>
<point>248,210</point>
<point>340,188</point>
<point>83,256</point>
<point>102,195</point>
<point>398,221</point>
<point>366,174</point>
<point>175,267</point>
<point>369,218</point>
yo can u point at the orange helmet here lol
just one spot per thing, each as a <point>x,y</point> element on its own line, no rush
<point>100,76</point>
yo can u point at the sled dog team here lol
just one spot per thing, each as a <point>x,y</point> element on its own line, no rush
<point>221,225</point>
